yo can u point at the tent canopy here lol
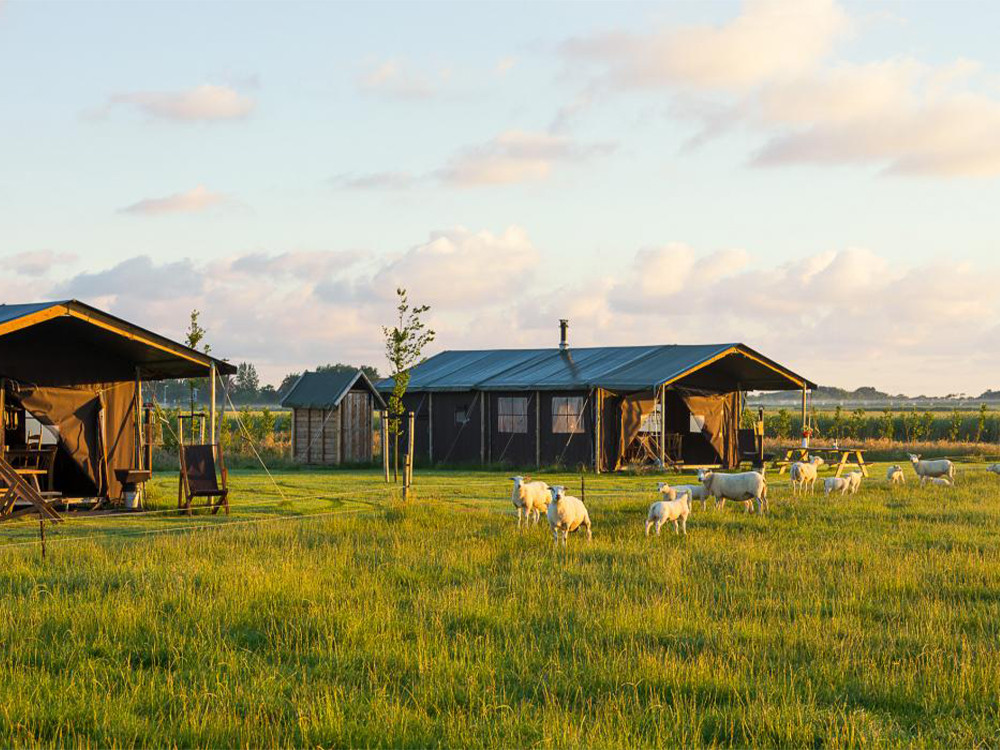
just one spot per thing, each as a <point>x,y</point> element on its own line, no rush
<point>717,367</point>
<point>70,343</point>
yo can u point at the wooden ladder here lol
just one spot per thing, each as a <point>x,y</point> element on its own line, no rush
<point>18,489</point>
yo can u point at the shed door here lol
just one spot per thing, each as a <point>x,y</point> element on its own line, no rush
<point>356,427</point>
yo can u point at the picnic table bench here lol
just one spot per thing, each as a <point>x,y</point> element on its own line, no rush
<point>841,458</point>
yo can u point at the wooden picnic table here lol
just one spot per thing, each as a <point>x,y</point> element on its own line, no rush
<point>841,458</point>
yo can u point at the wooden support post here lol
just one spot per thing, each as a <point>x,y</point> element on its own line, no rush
<point>211,406</point>
<point>663,427</point>
<point>430,428</point>
<point>598,426</point>
<point>804,413</point>
<point>538,429</point>
<point>3,417</point>
<point>482,428</point>
<point>384,429</point>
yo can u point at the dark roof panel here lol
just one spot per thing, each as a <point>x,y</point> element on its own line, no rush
<point>623,368</point>
<point>325,390</point>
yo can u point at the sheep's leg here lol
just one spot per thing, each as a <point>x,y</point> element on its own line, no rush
<point>555,534</point>
<point>684,524</point>
<point>649,523</point>
<point>520,512</point>
<point>676,532</point>
<point>704,504</point>
<point>590,537</point>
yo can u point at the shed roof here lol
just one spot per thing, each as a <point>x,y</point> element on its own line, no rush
<point>620,368</point>
<point>325,390</point>
<point>68,341</point>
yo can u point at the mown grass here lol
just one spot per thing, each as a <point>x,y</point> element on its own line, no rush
<point>873,620</point>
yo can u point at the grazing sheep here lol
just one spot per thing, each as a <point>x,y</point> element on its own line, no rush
<point>938,481</point>
<point>895,475</point>
<point>836,484</point>
<point>995,468</point>
<point>566,514</point>
<point>941,467</point>
<point>697,491</point>
<point>854,481</point>
<point>804,473</point>
<point>746,487</point>
<point>676,507</point>
<point>530,499</point>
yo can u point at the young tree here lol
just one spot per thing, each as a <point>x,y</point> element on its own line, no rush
<point>404,344</point>
<point>195,335</point>
<point>368,370</point>
<point>981,423</point>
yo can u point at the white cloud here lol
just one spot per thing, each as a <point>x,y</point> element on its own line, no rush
<point>516,156</point>
<point>395,79</point>
<point>192,201</point>
<point>772,71</point>
<point>769,39</point>
<point>845,317</point>
<point>36,263</point>
<point>202,103</point>
<point>376,181</point>
<point>505,65</point>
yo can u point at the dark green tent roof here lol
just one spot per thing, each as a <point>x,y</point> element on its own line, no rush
<point>325,390</point>
<point>618,368</point>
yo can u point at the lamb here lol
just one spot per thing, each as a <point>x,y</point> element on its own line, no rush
<point>895,475</point>
<point>746,487</point>
<point>942,467</point>
<point>566,514</point>
<point>676,506</point>
<point>804,473</point>
<point>836,484</point>
<point>938,481</point>
<point>697,491</point>
<point>530,499</point>
<point>854,481</point>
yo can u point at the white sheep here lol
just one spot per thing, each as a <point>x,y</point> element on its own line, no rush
<point>746,487</point>
<point>697,491</point>
<point>895,475</point>
<point>938,481</point>
<point>804,473</point>
<point>530,499</point>
<point>566,514</point>
<point>995,468</point>
<point>836,484</point>
<point>854,481</point>
<point>675,506</point>
<point>941,467</point>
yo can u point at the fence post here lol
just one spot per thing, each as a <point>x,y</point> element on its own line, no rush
<point>583,488</point>
<point>411,428</point>
<point>384,429</point>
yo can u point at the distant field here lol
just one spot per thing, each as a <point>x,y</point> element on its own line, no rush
<point>867,621</point>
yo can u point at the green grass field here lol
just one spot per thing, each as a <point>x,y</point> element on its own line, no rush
<point>335,616</point>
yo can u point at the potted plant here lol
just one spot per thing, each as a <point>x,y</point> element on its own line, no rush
<point>806,434</point>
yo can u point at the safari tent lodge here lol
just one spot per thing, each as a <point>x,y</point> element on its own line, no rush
<point>71,399</point>
<point>603,407</point>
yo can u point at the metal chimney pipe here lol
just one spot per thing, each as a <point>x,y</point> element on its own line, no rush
<point>563,343</point>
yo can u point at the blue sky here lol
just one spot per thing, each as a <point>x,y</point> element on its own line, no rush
<point>816,179</point>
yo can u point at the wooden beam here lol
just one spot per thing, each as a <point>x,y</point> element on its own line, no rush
<point>663,426</point>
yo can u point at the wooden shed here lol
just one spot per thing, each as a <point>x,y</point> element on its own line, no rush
<point>332,417</point>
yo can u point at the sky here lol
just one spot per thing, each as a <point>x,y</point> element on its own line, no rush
<point>816,179</point>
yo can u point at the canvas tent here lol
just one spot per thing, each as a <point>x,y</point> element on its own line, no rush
<point>79,372</point>
<point>598,406</point>
<point>332,417</point>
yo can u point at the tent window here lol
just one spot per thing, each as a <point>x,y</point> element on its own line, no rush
<point>567,415</point>
<point>697,423</point>
<point>461,415</point>
<point>512,415</point>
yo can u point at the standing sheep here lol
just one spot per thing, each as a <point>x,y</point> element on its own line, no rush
<point>566,514</point>
<point>854,481</point>
<point>836,484</point>
<point>675,506</point>
<point>747,487</point>
<point>530,499</point>
<point>941,467</point>
<point>895,475</point>
<point>995,468</point>
<point>697,491</point>
<point>804,473</point>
